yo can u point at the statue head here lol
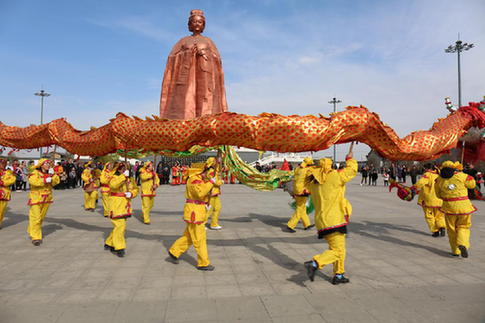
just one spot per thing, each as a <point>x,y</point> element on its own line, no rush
<point>196,21</point>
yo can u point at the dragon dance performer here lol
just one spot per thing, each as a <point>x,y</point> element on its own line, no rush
<point>430,203</point>
<point>149,184</point>
<point>300,193</point>
<point>197,195</point>
<point>175,174</point>
<point>106,175</point>
<point>123,189</point>
<point>332,213</point>
<point>7,178</point>
<point>183,173</point>
<point>214,199</point>
<point>90,176</point>
<point>451,186</point>
<point>41,180</point>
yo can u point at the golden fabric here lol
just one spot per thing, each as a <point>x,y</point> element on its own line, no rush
<point>269,132</point>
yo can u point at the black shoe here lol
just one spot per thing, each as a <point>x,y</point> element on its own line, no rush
<point>435,234</point>
<point>288,229</point>
<point>464,252</point>
<point>341,280</point>
<point>310,270</point>
<point>206,268</point>
<point>310,226</point>
<point>442,232</point>
<point>175,260</point>
<point>36,242</point>
<point>455,255</point>
<point>106,247</point>
<point>120,253</point>
<point>92,210</point>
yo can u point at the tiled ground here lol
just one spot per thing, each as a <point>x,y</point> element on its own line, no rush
<point>398,272</point>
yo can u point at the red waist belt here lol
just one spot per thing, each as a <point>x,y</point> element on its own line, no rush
<point>118,194</point>
<point>104,185</point>
<point>195,202</point>
<point>456,199</point>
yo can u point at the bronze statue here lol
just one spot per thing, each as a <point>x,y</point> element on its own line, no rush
<point>193,84</point>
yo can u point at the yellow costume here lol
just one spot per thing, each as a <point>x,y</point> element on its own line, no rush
<point>106,175</point>
<point>300,193</point>
<point>40,198</point>
<point>430,203</point>
<point>7,178</point>
<point>91,177</point>
<point>149,184</point>
<point>214,201</point>
<point>451,186</point>
<point>121,209</point>
<point>332,213</point>
<point>197,195</point>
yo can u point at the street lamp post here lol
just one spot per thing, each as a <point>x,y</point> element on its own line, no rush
<point>334,101</point>
<point>42,94</point>
<point>458,48</point>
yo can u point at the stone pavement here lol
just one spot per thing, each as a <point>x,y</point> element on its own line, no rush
<point>398,272</point>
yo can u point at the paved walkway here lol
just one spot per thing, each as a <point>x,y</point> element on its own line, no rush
<point>398,272</point>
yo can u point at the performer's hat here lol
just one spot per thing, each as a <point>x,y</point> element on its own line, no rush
<point>458,165</point>
<point>307,161</point>
<point>450,164</point>
<point>41,162</point>
<point>118,166</point>
<point>146,165</point>
<point>209,162</point>
<point>324,167</point>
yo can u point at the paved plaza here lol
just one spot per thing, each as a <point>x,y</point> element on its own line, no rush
<point>398,272</point>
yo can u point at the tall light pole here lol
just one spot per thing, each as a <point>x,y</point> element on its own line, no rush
<point>334,102</point>
<point>42,94</point>
<point>458,48</point>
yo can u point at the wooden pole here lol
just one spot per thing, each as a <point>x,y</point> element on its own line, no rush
<point>54,156</point>
<point>351,147</point>
<point>463,152</point>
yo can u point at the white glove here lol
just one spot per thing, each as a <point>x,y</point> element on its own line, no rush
<point>128,195</point>
<point>208,207</point>
<point>48,179</point>
<point>213,180</point>
<point>127,173</point>
<point>51,171</point>
<point>91,180</point>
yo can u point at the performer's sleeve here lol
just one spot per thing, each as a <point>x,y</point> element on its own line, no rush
<point>145,175</point>
<point>200,189</point>
<point>8,179</point>
<point>422,182</point>
<point>470,182</point>
<point>35,180</point>
<point>86,176</point>
<point>350,171</point>
<point>437,189</point>
<point>116,182</point>
<point>134,188</point>
<point>55,180</point>
<point>104,178</point>
<point>157,180</point>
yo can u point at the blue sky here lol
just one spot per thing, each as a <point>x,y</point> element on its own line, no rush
<point>290,57</point>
